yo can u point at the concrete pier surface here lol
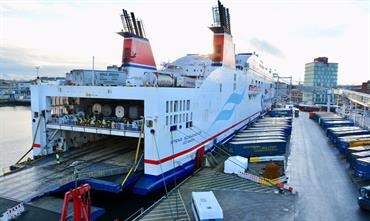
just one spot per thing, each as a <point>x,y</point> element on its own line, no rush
<point>326,189</point>
<point>321,175</point>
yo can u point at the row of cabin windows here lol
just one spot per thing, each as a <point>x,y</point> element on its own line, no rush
<point>196,70</point>
<point>256,82</point>
<point>260,82</point>
<point>178,105</point>
<point>178,118</point>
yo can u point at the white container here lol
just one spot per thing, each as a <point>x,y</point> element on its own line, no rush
<point>235,164</point>
<point>206,207</point>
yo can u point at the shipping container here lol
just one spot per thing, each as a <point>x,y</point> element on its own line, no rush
<point>275,120</point>
<point>287,129</point>
<point>356,150</point>
<point>206,207</point>
<point>259,130</point>
<point>263,134</point>
<point>336,123</point>
<point>258,138</point>
<point>281,112</point>
<point>318,116</point>
<point>266,124</point>
<point>336,135</point>
<point>257,148</point>
<point>352,141</point>
<point>183,81</point>
<point>356,155</point>
<point>362,167</point>
<point>266,129</point>
<point>96,77</point>
<point>331,130</point>
<point>360,142</point>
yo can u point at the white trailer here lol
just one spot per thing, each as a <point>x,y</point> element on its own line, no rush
<point>205,207</point>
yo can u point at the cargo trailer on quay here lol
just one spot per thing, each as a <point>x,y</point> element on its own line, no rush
<point>138,127</point>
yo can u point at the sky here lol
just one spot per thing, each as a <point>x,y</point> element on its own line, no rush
<point>61,35</point>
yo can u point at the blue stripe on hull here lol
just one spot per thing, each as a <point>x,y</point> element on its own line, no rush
<point>96,184</point>
<point>139,66</point>
<point>150,183</point>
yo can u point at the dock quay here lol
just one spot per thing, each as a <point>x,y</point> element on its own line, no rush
<point>325,186</point>
<point>239,198</point>
<point>234,194</point>
<point>351,141</point>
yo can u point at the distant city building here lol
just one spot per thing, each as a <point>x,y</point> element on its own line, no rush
<point>282,89</point>
<point>320,75</point>
<point>297,95</point>
<point>14,90</point>
<point>288,93</point>
<point>364,88</point>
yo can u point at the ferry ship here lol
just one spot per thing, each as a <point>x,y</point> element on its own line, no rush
<point>174,115</point>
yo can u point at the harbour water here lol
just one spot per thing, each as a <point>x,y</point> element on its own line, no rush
<point>15,134</point>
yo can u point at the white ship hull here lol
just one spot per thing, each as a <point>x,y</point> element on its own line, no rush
<point>215,100</point>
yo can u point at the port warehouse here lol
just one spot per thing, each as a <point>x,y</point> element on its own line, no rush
<point>351,141</point>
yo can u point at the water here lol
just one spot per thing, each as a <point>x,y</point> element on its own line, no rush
<point>15,134</point>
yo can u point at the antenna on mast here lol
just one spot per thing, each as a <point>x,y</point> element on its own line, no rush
<point>37,71</point>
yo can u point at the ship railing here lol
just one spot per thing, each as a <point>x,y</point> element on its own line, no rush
<point>108,124</point>
<point>92,174</point>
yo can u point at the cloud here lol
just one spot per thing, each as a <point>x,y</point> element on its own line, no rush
<point>21,62</point>
<point>266,47</point>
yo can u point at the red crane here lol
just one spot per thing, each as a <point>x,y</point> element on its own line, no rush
<point>81,203</point>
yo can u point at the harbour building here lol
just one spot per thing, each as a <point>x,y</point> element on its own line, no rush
<point>321,76</point>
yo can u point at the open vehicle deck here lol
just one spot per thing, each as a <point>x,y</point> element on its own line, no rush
<point>99,160</point>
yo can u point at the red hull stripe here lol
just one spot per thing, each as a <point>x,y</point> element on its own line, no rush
<point>36,145</point>
<point>157,162</point>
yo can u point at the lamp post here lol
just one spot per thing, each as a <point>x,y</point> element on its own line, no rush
<point>38,81</point>
<point>275,75</point>
<point>37,71</point>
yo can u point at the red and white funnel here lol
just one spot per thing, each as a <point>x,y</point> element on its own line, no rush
<point>137,55</point>
<point>223,46</point>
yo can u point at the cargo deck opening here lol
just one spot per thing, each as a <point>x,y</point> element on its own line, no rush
<point>103,164</point>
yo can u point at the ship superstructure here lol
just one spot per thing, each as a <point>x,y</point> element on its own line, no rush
<point>172,116</point>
